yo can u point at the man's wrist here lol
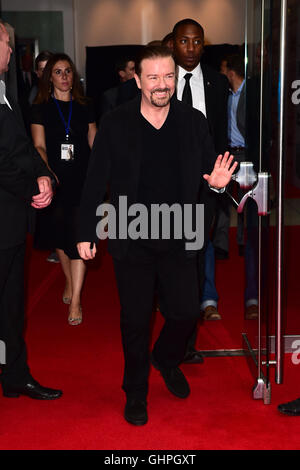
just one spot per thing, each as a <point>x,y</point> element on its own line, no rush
<point>217,190</point>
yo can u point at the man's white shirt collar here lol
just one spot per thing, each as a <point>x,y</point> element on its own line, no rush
<point>197,86</point>
<point>4,96</point>
<point>7,102</point>
<point>197,72</point>
<point>239,90</point>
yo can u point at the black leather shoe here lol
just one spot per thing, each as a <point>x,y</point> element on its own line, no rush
<point>193,356</point>
<point>174,379</point>
<point>292,408</point>
<point>136,411</point>
<point>33,390</point>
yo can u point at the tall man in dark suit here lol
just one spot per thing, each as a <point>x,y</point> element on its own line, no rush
<point>206,90</point>
<point>163,154</point>
<point>25,182</point>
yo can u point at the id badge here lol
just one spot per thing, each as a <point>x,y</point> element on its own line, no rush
<point>67,152</point>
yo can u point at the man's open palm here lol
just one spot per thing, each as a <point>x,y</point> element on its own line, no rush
<point>222,172</point>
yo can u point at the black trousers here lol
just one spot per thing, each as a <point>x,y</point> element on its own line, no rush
<point>174,277</point>
<point>15,370</point>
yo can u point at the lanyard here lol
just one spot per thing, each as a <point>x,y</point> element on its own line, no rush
<point>67,125</point>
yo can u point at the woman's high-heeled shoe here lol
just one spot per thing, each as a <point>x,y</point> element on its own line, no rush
<point>74,321</point>
<point>66,300</point>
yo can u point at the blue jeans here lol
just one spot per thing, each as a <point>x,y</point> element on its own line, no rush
<point>210,294</point>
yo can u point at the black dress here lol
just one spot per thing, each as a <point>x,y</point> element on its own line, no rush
<point>56,225</point>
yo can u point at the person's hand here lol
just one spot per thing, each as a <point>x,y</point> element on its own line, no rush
<point>44,198</point>
<point>222,172</point>
<point>85,251</point>
<point>55,176</point>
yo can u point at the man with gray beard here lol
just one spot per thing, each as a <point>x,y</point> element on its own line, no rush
<point>153,150</point>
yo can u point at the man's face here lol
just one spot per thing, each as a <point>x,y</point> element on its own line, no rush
<point>157,81</point>
<point>128,72</point>
<point>40,68</point>
<point>223,67</point>
<point>188,46</point>
<point>5,49</point>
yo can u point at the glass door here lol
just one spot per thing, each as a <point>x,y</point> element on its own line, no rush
<point>288,12</point>
<point>272,52</point>
<point>257,202</point>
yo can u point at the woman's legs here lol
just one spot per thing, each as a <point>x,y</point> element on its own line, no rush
<point>74,271</point>
<point>78,269</point>
<point>66,267</point>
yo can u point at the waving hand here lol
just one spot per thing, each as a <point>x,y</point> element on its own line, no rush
<point>222,172</point>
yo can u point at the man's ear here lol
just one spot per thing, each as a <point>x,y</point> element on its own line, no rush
<point>138,81</point>
<point>229,74</point>
<point>121,73</point>
<point>2,29</point>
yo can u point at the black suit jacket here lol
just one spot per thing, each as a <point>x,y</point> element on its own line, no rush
<point>20,166</point>
<point>216,96</point>
<point>108,100</point>
<point>116,159</point>
<point>118,95</point>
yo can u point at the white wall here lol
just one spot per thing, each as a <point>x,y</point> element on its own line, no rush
<point>111,22</point>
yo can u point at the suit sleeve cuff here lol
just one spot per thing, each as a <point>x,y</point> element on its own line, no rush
<point>217,190</point>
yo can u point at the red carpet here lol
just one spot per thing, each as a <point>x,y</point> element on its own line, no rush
<point>86,362</point>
